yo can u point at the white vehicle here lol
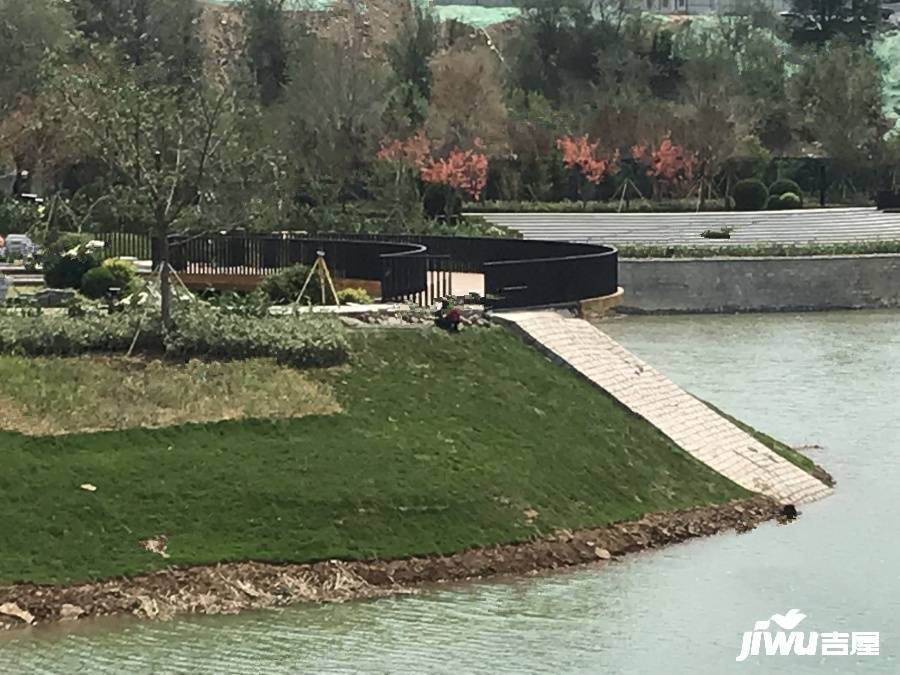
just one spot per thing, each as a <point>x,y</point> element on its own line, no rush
<point>19,246</point>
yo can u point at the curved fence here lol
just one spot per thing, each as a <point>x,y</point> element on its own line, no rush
<point>517,272</point>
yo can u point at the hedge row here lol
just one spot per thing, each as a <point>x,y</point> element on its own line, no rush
<point>198,331</point>
<point>634,206</point>
<point>637,251</point>
<point>300,342</point>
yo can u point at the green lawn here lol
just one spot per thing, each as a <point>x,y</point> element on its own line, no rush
<point>443,442</point>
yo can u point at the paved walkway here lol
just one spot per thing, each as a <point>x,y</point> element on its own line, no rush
<point>827,226</point>
<point>692,425</point>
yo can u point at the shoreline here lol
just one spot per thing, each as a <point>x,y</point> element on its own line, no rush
<point>228,588</point>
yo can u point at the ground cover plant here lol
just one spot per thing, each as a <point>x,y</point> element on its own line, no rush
<point>198,330</point>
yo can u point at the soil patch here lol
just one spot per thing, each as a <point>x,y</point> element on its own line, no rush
<point>231,587</point>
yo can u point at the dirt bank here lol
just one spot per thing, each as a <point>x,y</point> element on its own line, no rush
<point>231,587</point>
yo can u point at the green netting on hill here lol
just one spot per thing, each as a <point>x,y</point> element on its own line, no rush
<point>470,14</point>
<point>476,16</point>
<point>887,49</point>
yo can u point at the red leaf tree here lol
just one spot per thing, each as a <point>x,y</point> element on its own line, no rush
<point>462,170</point>
<point>669,165</point>
<point>581,155</point>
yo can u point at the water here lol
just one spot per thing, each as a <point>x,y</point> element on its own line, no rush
<point>829,379</point>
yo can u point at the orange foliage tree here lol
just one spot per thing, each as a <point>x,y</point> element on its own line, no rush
<point>464,171</point>
<point>669,165</point>
<point>581,155</point>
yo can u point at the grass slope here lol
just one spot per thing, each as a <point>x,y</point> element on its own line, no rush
<point>444,442</point>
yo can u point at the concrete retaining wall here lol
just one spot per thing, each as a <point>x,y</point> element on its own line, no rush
<point>760,284</point>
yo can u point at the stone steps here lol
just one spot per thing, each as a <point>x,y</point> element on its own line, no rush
<point>687,421</point>
<point>825,226</point>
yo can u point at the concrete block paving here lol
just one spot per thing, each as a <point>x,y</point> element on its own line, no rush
<point>687,421</point>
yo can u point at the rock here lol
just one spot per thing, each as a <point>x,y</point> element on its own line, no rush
<point>88,487</point>
<point>53,297</point>
<point>156,545</point>
<point>602,553</point>
<point>70,612</point>
<point>13,610</point>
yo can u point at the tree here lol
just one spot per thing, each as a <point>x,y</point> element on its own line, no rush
<point>467,101</point>
<point>450,175</point>
<point>558,44</point>
<point>669,165</point>
<point>266,46</point>
<point>168,150</point>
<point>30,33</point>
<point>856,20</point>
<point>839,95</point>
<point>409,56</point>
<point>160,37</point>
<point>332,116</point>
<point>581,155</point>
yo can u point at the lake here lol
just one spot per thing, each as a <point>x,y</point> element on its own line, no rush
<point>827,379</point>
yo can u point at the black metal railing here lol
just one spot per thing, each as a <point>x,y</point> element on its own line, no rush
<point>412,268</point>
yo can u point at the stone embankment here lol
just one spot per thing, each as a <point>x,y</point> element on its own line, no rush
<point>231,587</point>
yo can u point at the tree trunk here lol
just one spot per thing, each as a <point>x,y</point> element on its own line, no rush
<point>165,285</point>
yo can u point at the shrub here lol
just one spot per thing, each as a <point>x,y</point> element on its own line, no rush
<point>67,241</point>
<point>199,330</point>
<point>721,233</point>
<point>18,216</point>
<point>784,185</point>
<point>66,271</point>
<point>750,195</point>
<point>61,335</point>
<point>299,342</point>
<point>774,203</point>
<point>123,272</point>
<point>96,282</point>
<point>356,296</point>
<point>285,286</point>
<point>112,273</point>
<point>789,200</point>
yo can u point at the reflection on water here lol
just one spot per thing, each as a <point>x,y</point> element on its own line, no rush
<point>829,379</point>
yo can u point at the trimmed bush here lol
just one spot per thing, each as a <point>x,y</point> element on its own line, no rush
<point>66,271</point>
<point>784,185</point>
<point>284,287</point>
<point>123,272</point>
<point>774,203</point>
<point>789,200</point>
<point>750,195</point>
<point>356,296</point>
<point>96,282</point>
